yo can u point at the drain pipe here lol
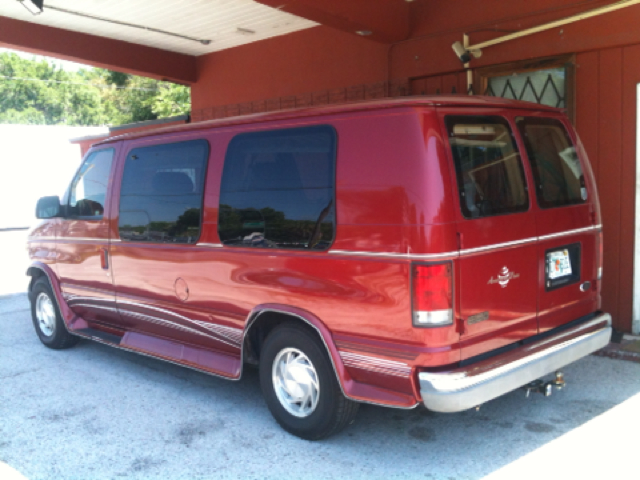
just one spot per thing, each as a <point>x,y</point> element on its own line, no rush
<point>464,51</point>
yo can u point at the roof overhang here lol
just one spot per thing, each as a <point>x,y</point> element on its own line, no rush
<point>163,39</point>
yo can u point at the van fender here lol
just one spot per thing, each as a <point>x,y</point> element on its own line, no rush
<point>37,269</point>
<point>352,389</point>
<point>307,318</point>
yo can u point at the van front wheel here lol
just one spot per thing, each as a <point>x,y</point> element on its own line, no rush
<point>300,386</point>
<point>47,319</point>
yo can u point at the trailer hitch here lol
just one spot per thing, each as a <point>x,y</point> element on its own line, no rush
<point>545,388</point>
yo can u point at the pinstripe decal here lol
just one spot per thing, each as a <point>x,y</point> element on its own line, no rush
<point>374,364</point>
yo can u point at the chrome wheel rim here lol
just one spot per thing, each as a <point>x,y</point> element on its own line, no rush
<point>46,314</point>
<point>295,382</point>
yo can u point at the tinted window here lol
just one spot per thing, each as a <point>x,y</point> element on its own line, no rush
<point>162,191</point>
<point>554,161</point>
<point>277,189</point>
<point>488,167</point>
<point>88,192</point>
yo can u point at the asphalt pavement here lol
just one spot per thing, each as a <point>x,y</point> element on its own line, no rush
<point>94,412</point>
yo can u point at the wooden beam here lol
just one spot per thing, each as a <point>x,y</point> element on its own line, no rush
<point>98,51</point>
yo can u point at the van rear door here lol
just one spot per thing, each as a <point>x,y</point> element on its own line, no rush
<point>566,220</point>
<point>497,269</point>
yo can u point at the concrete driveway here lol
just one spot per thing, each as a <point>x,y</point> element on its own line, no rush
<point>97,412</point>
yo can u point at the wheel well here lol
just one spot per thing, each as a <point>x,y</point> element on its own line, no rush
<point>262,326</point>
<point>35,273</point>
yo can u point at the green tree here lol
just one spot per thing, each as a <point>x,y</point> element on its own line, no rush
<point>171,100</point>
<point>37,92</point>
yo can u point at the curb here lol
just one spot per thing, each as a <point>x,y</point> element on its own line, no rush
<point>627,349</point>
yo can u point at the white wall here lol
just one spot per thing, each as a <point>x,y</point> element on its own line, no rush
<point>35,160</point>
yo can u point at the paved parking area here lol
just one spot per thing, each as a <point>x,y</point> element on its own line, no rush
<point>94,412</point>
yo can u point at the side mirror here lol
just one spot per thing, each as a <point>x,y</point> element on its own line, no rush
<point>48,207</point>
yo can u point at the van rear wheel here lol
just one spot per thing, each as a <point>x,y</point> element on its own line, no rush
<point>300,386</point>
<point>46,317</point>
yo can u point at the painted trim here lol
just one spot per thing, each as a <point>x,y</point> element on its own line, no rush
<point>408,256</point>
<point>497,246</point>
<point>466,251</point>
<point>635,320</point>
<point>251,321</point>
<point>570,232</point>
<point>71,239</point>
<point>375,364</point>
<point>225,334</point>
<point>82,239</point>
<point>65,287</point>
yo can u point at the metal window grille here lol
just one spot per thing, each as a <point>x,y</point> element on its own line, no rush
<point>546,87</point>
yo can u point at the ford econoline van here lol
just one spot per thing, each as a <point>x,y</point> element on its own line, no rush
<point>439,251</point>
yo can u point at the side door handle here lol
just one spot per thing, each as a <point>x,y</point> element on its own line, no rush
<point>104,258</point>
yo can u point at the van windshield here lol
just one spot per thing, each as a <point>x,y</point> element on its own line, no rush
<point>554,161</point>
<point>488,167</point>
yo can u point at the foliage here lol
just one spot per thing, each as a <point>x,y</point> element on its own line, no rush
<point>38,92</point>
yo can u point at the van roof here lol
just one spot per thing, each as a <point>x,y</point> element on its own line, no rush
<point>413,101</point>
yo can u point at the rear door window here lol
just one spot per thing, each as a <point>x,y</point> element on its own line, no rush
<point>554,161</point>
<point>277,189</point>
<point>489,170</point>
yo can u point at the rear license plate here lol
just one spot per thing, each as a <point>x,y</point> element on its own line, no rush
<point>558,264</point>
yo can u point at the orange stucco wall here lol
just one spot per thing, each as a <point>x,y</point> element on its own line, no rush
<point>285,71</point>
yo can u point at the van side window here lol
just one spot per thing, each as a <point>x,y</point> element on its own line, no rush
<point>88,191</point>
<point>490,175</point>
<point>162,192</point>
<point>554,161</point>
<point>278,189</point>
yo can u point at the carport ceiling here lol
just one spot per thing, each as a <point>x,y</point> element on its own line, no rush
<point>225,23</point>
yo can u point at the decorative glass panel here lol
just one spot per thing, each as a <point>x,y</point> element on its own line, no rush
<point>546,87</point>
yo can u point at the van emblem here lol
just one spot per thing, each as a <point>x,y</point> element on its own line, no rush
<point>503,277</point>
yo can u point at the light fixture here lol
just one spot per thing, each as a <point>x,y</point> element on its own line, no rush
<point>364,33</point>
<point>202,41</point>
<point>34,6</point>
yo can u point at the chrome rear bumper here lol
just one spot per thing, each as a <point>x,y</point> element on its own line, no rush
<point>470,386</point>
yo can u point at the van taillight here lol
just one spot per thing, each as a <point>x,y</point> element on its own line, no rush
<point>432,295</point>
<point>600,256</point>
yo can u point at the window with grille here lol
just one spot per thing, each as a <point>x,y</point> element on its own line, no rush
<point>546,87</point>
<point>547,82</point>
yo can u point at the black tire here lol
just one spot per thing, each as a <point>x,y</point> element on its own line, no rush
<point>332,410</point>
<point>46,317</point>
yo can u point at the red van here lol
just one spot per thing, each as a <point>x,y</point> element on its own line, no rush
<point>433,250</point>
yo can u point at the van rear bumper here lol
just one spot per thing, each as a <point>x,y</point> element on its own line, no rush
<point>472,385</point>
